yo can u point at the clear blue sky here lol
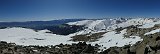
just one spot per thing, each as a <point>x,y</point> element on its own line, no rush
<point>24,10</point>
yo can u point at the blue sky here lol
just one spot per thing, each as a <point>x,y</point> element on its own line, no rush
<point>26,10</point>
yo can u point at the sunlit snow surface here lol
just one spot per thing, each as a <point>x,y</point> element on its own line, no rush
<point>149,25</point>
<point>138,21</point>
<point>152,32</point>
<point>23,36</point>
<point>111,39</point>
<point>108,25</point>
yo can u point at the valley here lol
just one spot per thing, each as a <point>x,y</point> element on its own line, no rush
<point>112,36</point>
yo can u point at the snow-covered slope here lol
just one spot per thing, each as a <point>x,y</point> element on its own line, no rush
<point>152,32</point>
<point>93,26</point>
<point>149,25</point>
<point>23,36</point>
<point>111,39</point>
<point>138,21</point>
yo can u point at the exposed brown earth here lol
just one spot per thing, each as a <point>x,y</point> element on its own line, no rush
<point>88,37</point>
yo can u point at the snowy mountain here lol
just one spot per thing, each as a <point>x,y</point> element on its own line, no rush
<point>98,25</point>
<point>93,26</point>
<point>138,21</point>
<point>55,26</point>
<point>104,32</point>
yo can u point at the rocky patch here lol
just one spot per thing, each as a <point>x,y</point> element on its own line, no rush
<point>88,37</point>
<point>77,48</point>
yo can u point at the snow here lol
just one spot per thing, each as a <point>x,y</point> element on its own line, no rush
<point>111,39</point>
<point>138,21</point>
<point>44,31</point>
<point>149,25</point>
<point>152,32</point>
<point>83,22</point>
<point>93,26</point>
<point>23,36</point>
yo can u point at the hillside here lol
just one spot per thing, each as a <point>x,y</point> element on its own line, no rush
<point>113,36</point>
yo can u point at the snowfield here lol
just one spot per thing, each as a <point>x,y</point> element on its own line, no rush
<point>152,32</point>
<point>96,25</point>
<point>149,25</point>
<point>93,26</point>
<point>111,39</point>
<point>23,36</point>
<point>138,21</point>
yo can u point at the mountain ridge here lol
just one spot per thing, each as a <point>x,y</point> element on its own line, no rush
<point>109,34</point>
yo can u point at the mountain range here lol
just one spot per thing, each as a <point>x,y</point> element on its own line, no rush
<point>111,34</point>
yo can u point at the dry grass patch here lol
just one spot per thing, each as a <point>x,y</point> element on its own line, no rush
<point>88,37</point>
